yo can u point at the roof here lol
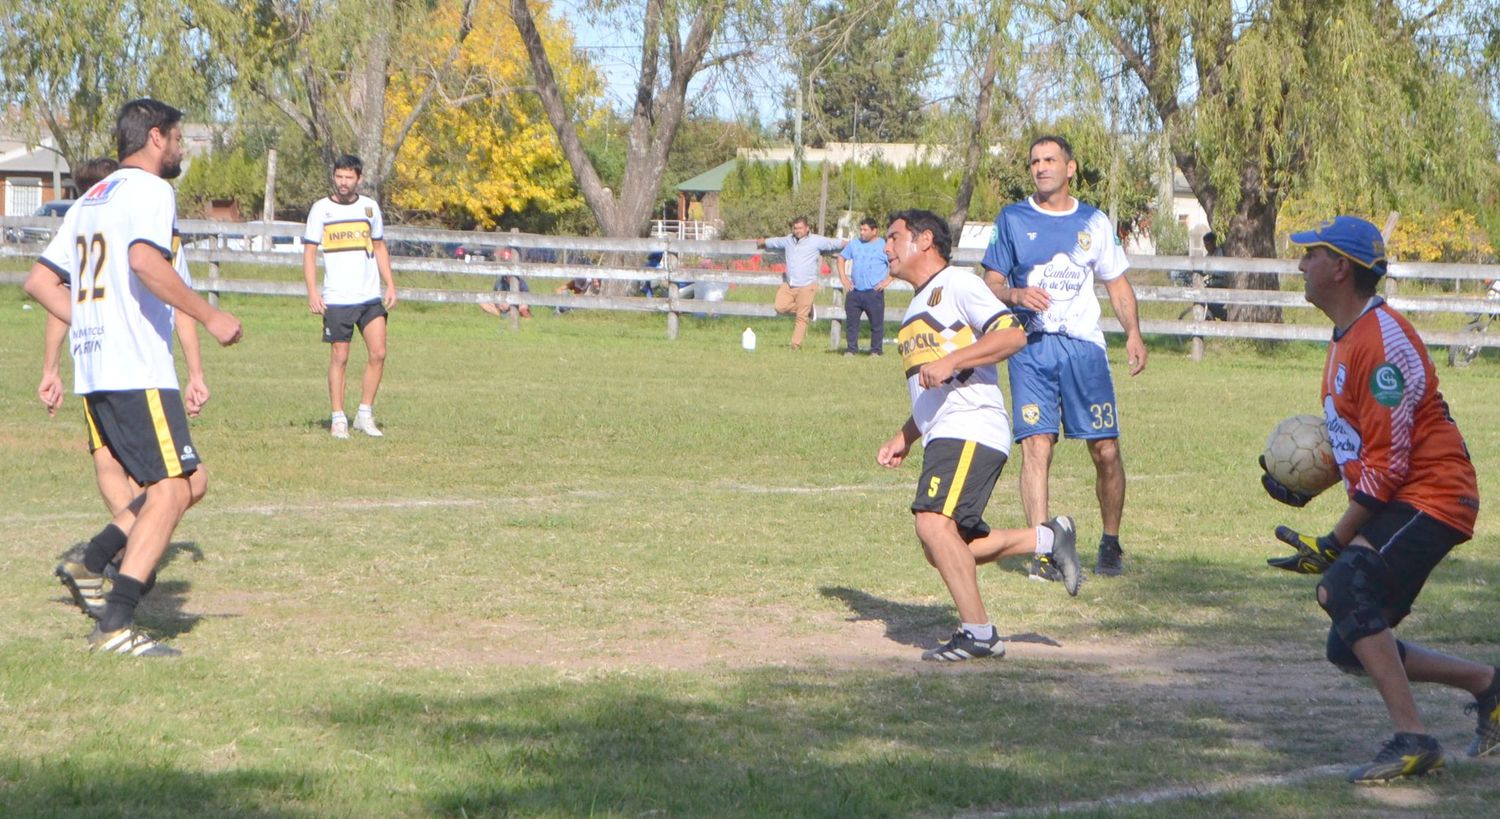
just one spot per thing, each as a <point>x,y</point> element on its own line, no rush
<point>710,180</point>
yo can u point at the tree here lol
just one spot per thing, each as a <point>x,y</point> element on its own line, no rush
<point>67,66</point>
<point>1255,98</point>
<point>676,46</point>
<point>326,66</point>
<point>864,73</point>
<point>493,153</point>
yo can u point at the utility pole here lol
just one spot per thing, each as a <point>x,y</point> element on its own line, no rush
<point>797,141</point>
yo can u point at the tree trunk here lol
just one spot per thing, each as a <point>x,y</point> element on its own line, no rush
<point>974,150</point>
<point>656,114</point>
<point>1252,234</point>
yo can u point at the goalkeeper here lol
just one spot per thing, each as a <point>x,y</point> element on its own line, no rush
<point>1412,498</point>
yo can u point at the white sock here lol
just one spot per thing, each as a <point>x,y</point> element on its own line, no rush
<point>366,410</point>
<point>340,416</point>
<point>980,632</point>
<point>1044,538</point>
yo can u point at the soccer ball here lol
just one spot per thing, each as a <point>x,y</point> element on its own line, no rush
<point>1300,456</point>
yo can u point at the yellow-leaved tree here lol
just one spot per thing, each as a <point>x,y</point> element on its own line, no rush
<point>485,147</point>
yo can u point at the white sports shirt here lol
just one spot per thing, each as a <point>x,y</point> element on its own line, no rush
<point>121,335</point>
<point>1062,253</point>
<point>347,234</point>
<point>950,312</point>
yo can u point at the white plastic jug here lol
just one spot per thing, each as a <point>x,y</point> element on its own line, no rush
<point>747,339</point>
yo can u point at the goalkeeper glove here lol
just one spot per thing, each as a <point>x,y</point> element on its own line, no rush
<point>1279,491</point>
<point>1314,555</point>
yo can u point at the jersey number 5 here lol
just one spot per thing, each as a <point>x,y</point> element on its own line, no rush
<point>91,253</point>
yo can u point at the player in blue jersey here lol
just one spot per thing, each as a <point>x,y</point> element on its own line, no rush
<point>1043,259</point>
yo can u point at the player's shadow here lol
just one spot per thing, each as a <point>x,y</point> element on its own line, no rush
<point>915,625</point>
<point>162,609</point>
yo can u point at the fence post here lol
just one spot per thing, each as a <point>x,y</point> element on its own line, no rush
<point>213,276</point>
<point>672,318</point>
<point>834,324</point>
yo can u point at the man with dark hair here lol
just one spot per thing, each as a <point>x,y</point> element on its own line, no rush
<point>864,271</point>
<point>953,334</point>
<point>1412,497</point>
<point>804,255</point>
<point>1043,259</point>
<point>108,273</point>
<point>115,486</point>
<point>351,230</point>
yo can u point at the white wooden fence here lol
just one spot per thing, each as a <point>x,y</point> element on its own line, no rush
<point>208,251</point>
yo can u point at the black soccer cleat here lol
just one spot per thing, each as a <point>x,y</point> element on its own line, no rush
<point>1043,570</point>
<point>1403,755</point>
<point>1487,733</point>
<point>1065,553</point>
<point>964,646</point>
<point>1111,562</point>
<point>86,588</point>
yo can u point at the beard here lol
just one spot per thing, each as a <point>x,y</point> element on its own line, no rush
<point>172,170</point>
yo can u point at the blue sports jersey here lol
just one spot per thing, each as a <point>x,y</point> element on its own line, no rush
<point>1062,252</point>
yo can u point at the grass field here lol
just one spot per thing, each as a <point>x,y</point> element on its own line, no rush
<point>590,571</point>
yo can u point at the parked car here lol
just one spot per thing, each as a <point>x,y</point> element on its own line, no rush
<point>54,209</point>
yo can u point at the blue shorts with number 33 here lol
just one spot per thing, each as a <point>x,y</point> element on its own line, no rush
<point>1060,384</point>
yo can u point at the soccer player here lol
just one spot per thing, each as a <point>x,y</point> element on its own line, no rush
<point>115,486</point>
<point>953,334</point>
<point>1043,258</point>
<point>1412,498</point>
<point>108,273</point>
<point>351,230</point>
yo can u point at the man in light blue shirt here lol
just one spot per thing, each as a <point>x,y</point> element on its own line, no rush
<point>804,257</point>
<point>865,272</point>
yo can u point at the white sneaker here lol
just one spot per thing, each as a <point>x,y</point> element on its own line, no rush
<point>366,424</point>
<point>340,428</point>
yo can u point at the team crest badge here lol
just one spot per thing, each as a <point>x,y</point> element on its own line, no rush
<point>1338,380</point>
<point>1085,241</point>
<point>1031,413</point>
<point>1387,385</point>
<point>369,213</point>
<point>936,298</point>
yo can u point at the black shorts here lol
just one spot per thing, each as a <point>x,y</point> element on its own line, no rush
<point>146,430</point>
<point>1412,543</point>
<point>957,480</point>
<point>339,320</point>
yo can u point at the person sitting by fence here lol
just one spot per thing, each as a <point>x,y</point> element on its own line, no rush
<point>502,285</point>
<point>1184,278</point>
<point>580,286</point>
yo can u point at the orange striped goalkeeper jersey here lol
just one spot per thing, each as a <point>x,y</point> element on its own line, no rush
<point>1393,437</point>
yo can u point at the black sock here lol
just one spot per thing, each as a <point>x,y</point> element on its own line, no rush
<point>1494,686</point>
<point>103,547</point>
<point>119,605</point>
<point>1112,541</point>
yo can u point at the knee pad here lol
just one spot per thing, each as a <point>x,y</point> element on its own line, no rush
<point>1341,654</point>
<point>1353,591</point>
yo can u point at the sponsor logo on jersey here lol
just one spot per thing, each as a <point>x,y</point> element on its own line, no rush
<point>102,191</point>
<point>1031,413</point>
<point>349,235</point>
<point>936,298</point>
<point>1344,437</point>
<point>1387,385</point>
<point>1085,240</point>
<point>1031,234</point>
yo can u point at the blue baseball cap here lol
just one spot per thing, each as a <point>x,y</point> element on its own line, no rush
<point>1349,236</point>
